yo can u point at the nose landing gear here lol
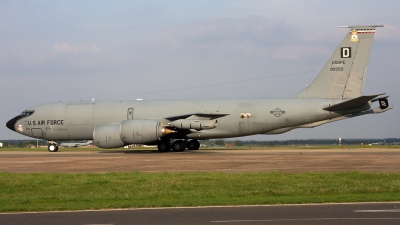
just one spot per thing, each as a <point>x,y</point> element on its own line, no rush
<point>52,147</point>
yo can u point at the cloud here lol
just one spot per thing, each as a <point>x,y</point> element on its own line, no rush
<point>249,37</point>
<point>219,31</point>
<point>25,57</point>
<point>389,32</point>
<point>58,54</point>
<point>297,52</point>
<point>77,49</point>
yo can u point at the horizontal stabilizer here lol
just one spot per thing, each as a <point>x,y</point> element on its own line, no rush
<point>352,103</point>
<point>319,123</point>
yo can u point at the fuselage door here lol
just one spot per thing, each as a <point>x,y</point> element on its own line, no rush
<point>130,114</point>
<point>37,133</point>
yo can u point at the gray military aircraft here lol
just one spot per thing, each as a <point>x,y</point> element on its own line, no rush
<point>335,94</point>
<point>75,144</point>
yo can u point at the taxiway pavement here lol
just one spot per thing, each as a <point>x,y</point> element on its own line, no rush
<point>356,214</point>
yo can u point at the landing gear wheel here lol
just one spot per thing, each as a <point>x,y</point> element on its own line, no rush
<point>193,145</point>
<point>178,146</point>
<point>52,147</point>
<point>163,147</point>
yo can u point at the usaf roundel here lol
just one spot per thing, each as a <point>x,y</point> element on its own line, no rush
<point>277,112</point>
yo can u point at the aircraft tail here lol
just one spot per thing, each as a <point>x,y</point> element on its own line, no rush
<point>344,74</point>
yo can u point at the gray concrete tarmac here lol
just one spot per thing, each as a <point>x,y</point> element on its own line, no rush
<point>356,214</point>
<point>259,160</point>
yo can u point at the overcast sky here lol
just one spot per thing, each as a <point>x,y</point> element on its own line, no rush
<point>78,50</point>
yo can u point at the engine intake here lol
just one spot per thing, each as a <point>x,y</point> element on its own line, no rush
<point>107,136</point>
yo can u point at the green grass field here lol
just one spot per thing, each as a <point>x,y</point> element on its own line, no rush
<point>55,191</point>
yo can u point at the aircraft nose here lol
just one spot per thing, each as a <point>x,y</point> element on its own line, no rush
<point>11,123</point>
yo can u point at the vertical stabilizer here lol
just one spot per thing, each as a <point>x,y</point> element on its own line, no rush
<point>344,74</point>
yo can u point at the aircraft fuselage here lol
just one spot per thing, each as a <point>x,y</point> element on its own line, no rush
<point>77,120</point>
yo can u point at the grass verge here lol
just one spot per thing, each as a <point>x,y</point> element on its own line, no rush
<point>54,191</point>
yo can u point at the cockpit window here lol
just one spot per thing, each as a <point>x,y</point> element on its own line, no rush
<point>26,113</point>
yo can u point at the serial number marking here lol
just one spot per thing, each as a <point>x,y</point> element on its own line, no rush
<point>333,69</point>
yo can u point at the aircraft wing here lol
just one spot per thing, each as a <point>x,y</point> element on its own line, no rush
<point>196,121</point>
<point>352,103</point>
<point>196,116</point>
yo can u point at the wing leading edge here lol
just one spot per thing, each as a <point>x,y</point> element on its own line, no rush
<point>196,116</point>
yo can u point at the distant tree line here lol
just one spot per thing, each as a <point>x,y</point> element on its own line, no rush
<point>379,141</point>
<point>222,142</point>
<point>22,143</point>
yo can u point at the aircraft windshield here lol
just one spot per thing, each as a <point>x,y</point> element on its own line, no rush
<point>26,113</point>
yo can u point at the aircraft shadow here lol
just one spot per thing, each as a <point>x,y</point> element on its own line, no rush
<point>152,152</point>
<point>131,151</point>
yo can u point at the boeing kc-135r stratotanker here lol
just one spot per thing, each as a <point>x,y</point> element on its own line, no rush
<point>335,94</point>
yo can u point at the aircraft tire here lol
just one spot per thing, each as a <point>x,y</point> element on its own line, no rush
<point>178,146</point>
<point>163,147</point>
<point>52,147</point>
<point>193,145</point>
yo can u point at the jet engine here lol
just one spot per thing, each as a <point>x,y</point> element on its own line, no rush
<point>142,131</point>
<point>194,124</point>
<point>107,136</point>
<point>129,132</point>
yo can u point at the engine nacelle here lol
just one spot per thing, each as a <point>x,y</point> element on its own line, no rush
<point>194,124</point>
<point>107,136</point>
<point>142,131</point>
<point>129,132</point>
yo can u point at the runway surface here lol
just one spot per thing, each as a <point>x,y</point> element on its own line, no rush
<point>374,159</point>
<point>357,214</point>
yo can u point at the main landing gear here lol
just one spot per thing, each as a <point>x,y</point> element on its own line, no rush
<point>164,147</point>
<point>193,145</point>
<point>178,146</point>
<point>52,147</point>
